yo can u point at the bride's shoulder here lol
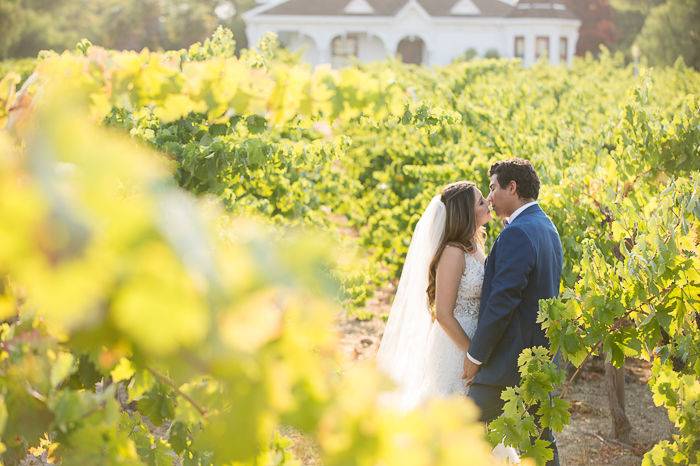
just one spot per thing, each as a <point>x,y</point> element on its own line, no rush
<point>453,253</point>
<point>455,247</point>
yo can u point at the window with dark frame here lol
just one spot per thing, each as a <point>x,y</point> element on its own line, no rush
<point>541,47</point>
<point>519,47</point>
<point>563,49</point>
<point>343,48</point>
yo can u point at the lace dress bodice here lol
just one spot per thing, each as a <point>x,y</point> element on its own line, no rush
<point>469,294</point>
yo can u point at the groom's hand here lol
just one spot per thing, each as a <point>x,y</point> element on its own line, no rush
<point>470,370</point>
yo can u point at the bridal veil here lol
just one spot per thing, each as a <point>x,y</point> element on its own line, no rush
<point>403,347</point>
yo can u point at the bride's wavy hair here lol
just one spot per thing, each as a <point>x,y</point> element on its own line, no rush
<point>460,227</point>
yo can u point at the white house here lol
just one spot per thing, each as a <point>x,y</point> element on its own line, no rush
<point>431,32</point>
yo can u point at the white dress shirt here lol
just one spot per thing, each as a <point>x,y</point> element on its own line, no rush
<point>510,219</point>
<point>519,210</point>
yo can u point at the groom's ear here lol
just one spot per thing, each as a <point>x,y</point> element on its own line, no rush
<point>512,187</point>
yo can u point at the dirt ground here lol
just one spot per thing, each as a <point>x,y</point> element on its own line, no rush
<point>587,439</point>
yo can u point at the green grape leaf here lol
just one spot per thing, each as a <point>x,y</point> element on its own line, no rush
<point>179,437</point>
<point>87,374</point>
<point>554,415</point>
<point>122,371</point>
<point>536,387</point>
<point>158,404</point>
<point>62,367</point>
<point>141,383</point>
<point>3,415</point>
<point>539,451</point>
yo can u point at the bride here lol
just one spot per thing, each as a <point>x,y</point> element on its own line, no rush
<point>434,314</point>
<point>436,307</point>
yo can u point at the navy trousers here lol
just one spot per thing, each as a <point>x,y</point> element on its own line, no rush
<point>488,399</point>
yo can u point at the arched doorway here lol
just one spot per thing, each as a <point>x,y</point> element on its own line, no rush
<point>298,42</point>
<point>411,50</point>
<point>343,49</point>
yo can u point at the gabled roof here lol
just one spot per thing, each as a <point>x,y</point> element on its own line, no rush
<point>541,9</point>
<point>488,8</point>
<point>464,7</point>
<point>331,8</point>
<point>485,7</point>
<point>358,7</point>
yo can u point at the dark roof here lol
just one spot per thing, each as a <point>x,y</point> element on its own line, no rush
<point>492,8</point>
<point>541,9</point>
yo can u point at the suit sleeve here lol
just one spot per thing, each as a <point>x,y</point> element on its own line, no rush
<point>515,260</point>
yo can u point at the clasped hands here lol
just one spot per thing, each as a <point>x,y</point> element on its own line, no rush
<point>470,370</point>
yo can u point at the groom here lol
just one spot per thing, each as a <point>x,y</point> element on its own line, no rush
<point>523,267</point>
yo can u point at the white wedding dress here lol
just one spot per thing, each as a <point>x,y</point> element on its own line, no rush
<point>415,351</point>
<point>444,361</point>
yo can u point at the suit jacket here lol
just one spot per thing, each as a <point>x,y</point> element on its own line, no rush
<point>523,267</point>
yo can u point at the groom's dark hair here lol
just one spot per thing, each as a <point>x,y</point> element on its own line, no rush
<point>527,184</point>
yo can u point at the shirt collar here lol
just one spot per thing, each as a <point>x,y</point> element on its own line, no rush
<point>519,211</point>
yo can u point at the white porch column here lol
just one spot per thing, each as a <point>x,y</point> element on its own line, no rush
<point>388,42</point>
<point>324,55</point>
<point>571,42</point>
<point>554,49</point>
<point>529,49</point>
<point>392,44</point>
<point>323,42</point>
<point>429,55</point>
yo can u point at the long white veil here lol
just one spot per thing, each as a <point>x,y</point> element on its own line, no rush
<point>403,347</point>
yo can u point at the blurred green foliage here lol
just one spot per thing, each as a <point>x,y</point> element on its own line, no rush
<point>662,30</point>
<point>23,67</point>
<point>133,304</point>
<point>30,26</point>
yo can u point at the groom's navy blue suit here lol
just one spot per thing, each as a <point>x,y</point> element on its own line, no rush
<point>524,266</point>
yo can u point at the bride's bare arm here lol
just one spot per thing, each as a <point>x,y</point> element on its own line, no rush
<point>448,276</point>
